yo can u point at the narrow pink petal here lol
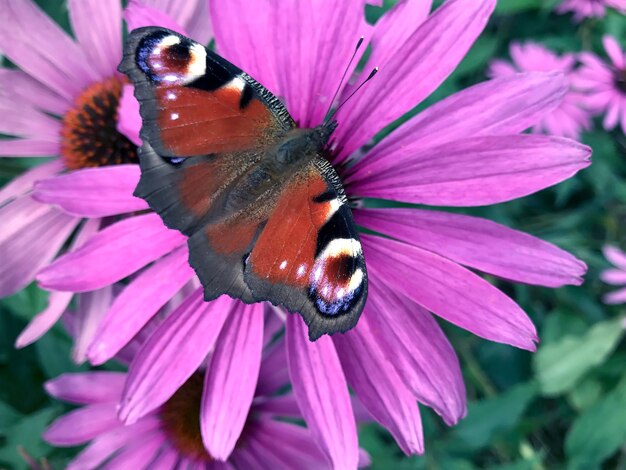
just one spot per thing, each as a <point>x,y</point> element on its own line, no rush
<point>478,243</point>
<point>192,16</point>
<point>502,106</point>
<point>30,236</point>
<point>57,61</point>
<point>140,455</point>
<point>450,291</point>
<point>87,388</point>
<point>172,354</point>
<point>274,375</point>
<point>24,182</point>
<point>322,393</point>
<point>19,118</point>
<point>231,379</point>
<point>615,256</point>
<point>102,447</point>
<point>419,351</point>
<point>129,119</point>
<point>168,458</point>
<point>97,25</point>
<point>92,306</point>
<point>93,192</point>
<point>472,172</point>
<point>394,29</point>
<point>82,425</point>
<point>22,86</point>
<point>316,47</point>
<point>139,14</point>
<point>365,460</point>
<point>140,300</point>
<point>373,377</point>
<point>31,147</point>
<point>119,250</point>
<point>615,277</point>
<point>617,297</point>
<point>58,301</point>
<point>614,51</point>
<point>284,406</point>
<point>420,65</point>
<point>273,444</point>
<point>43,321</point>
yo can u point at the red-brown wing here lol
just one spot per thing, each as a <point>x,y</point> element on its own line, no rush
<point>308,257</point>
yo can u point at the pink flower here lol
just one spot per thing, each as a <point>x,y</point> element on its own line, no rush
<point>63,103</point>
<point>569,118</point>
<point>604,85</point>
<point>177,432</point>
<point>615,276</point>
<point>590,8</point>
<point>466,150</point>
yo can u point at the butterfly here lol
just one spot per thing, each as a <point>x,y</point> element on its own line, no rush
<point>223,162</point>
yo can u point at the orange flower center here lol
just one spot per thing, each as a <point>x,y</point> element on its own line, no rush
<point>181,419</point>
<point>89,135</point>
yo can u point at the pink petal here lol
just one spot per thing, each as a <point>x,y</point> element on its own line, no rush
<point>43,321</point>
<point>32,147</point>
<point>478,243</point>
<point>142,298</point>
<point>172,354</point>
<point>502,106</point>
<point>394,29</point>
<point>119,250</point>
<point>416,70</point>
<point>231,379</point>
<point>614,51</point>
<point>322,394</point>
<point>82,425</point>
<point>297,49</point>
<point>98,27</point>
<point>23,87</point>
<point>274,375</point>
<point>472,172</point>
<point>57,60</point>
<point>30,236</point>
<point>140,455</point>
<point>58,301</point>
<point>276,445</point>
<point>419,351</point>
<point>614,255</point>
<point>87,388</point>
<point>617,297</point>
<point>284,406</point>
<point>129,119</point>
<point>374,379</point>
<point>615,277</point>
<point>92,306</point>
<point>193,16</point>
<point>93,192</point>
<point>24,120</point>
<point>24,182</point>
<point>102,447</point>
<point>138,14</point>
<point>450,291</point>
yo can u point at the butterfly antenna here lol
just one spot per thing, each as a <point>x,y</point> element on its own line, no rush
<point>345,72</point>
<point>369,77</point>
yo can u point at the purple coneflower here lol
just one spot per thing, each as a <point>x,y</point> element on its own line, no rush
<point>590,8</point>
<point>466,150</point>
<point>569,119</point>
<point>63,102</point>
<point>604,85</point>
<point>615,276</point>
<point>173,435</point>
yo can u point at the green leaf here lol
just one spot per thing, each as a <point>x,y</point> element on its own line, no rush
<point>560,365</point>
<point>585,394</point>
<point>509,7</point>
<point>488,418</point>
<point>598,432</point>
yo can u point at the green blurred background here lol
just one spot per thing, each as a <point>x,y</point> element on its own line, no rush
<point>563,407</point>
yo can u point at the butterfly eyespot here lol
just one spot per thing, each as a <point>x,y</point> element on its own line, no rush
<point>174,160</point>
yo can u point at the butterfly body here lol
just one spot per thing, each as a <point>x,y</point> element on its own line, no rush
<point>223,162</point>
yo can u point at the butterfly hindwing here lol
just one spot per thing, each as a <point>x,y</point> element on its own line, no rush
<point>223,162</point>
<point>308,256</point>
